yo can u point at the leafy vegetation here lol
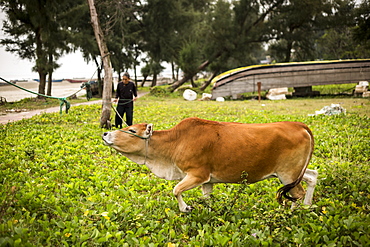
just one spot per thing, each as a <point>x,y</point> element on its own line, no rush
<point>59,185</point>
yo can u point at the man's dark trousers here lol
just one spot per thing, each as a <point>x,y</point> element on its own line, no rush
<point>122,110</point>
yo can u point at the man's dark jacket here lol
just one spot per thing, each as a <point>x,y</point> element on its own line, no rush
<point>125,93</point>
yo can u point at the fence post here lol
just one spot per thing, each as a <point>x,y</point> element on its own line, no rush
<point>259,91</point>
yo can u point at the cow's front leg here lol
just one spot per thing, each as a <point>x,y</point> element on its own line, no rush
<point>190,181</point>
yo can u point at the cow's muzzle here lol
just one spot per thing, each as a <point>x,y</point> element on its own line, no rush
<point>106,139</point>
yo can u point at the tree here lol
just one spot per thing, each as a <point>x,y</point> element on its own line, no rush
<point>145,71</point>
<point>108,77</point>
<point>159,27</point>
<point>337,44</point>
<point>189,58</point>
<point>347,37</point>
<point>234,30</point>
<point>156,68</point>
<point>119,21</point>
<point>83,38</point>
<point>57,43</point>
<point>35,33</point>
<point>296,31</point>
<point>361,30</point>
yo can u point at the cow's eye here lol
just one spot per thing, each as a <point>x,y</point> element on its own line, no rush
<point>132,131</point>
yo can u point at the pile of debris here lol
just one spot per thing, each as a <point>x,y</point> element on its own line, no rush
<point>333,109</point>
<point>277,93</point>
<point>16,110</point>
<point>362,88</point>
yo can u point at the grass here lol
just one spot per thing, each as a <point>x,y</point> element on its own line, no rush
<point>60,186</point>
<point>334,89</point>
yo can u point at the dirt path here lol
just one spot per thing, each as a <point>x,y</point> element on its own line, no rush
<point>12,117</point>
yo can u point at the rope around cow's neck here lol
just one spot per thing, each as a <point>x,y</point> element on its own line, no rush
<point>128,132</point>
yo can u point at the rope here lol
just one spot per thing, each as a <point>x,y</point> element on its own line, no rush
<point>114,108</point>
<point>63,100</point>
<point>123,121</point>
<point>141,137</point>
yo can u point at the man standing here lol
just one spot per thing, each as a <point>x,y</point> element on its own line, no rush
<point>126,94</point>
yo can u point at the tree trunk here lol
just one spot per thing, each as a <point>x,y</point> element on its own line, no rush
<point>42,83</point>
<point>174,76</point>
<point>100,84</point>
<point>288,52</point>
<point>135,74</point>
<point>144,80</point>
<point>206,84</point>
<point>154,81</point>
<point>192,82</point>
<point>105,120</point>
<point>137,53</point>
<point>50,75</point>
<point>50,80</point>
<point>41,61</point>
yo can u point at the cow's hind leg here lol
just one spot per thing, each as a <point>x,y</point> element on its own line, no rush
<point>189,182</point>
<point>292,186</point>
<point>310,177</point>
<point>297,193</point>
<point>207,189</point>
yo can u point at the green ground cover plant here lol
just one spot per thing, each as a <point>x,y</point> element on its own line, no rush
<point>60,186</point>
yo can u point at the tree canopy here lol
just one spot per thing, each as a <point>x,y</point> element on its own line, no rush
<point>36,34</point>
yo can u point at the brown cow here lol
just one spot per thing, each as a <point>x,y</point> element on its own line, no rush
<point>203,152</point>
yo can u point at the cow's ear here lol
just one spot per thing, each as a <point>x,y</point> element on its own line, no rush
<point>149,130</point>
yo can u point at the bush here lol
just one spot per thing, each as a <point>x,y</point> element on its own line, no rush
<point>160,91</point>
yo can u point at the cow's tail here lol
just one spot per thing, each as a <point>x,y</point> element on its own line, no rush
<point>283,191</point>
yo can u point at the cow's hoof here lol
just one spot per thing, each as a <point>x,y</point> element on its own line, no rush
<point>188,209</point>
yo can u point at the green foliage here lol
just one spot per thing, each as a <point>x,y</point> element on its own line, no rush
<point>298,30</point>
<point>339,44</point>
<point>160,91</point>
<point>59,185</point>
<point>189,58</point>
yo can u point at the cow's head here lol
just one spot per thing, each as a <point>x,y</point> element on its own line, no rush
<point>130,139</point>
